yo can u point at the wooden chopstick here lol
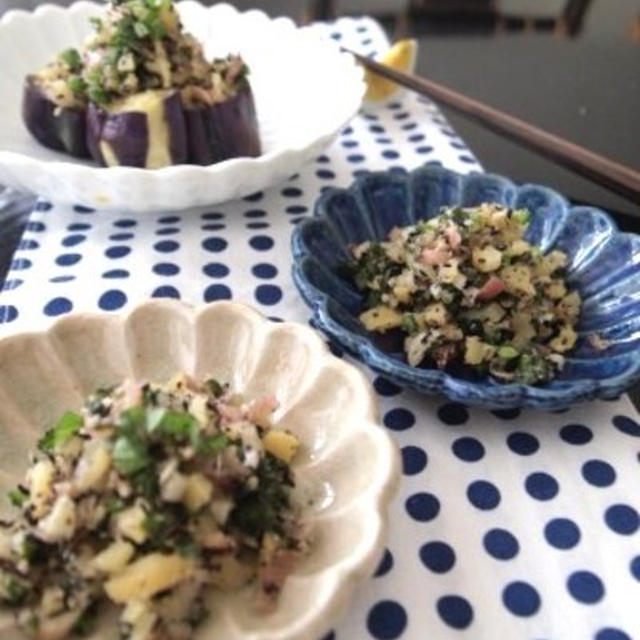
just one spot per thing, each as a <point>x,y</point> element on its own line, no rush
<point>603,171</point>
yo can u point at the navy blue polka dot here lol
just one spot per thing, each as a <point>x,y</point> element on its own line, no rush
<point>20,264</point>
<point>453,413</point>
<point>390,154</point>
<point>217,292</point>
<point>409,126</point>
<point>386,620</point>
<point>468,449</point>
<point>355,158</point>
<point>598,473</point>
<point>627,425</point>
<point>611,633</point>
<point>296,209</point>
<point>57,306</point>
<point>268,294</point>
<point>576,434</point>
<point>264,271</point>
<point>8,313</point>
<point>255,213</point>
<point>414,460</point>
<point>422,506</point>
<point>79,208</point>
<point>216,270</point>
<point>385,387</point>
<point>325,174</point>
<point>522,443</point>
<point>79,226</point>
<point>416,137</point>
<point>27,244</point>
<point>10,285</point>
<point>163,231</point>
<point>261,243</point>
<point>212,215</point>
<point>43,206</point>
<point>73,240</point>
<point>455,611</point>
<point>467,159</point>
<point>384,140</point>
<point>437,556</point>
<point>386,564</point>
<point>322,159</point>
<point>622,519</point>
<point>377,128</point>
<point>585,587</point>
<point>399,419</point>
<point>507,414</point>
<point>37,226</point>
<point>350,144</point>
<point>401,116</point>
<point>258,225</point>
<point>291,192</point>
<point>117,252</point>
<point>168,246</point>
<point>120,237</point>
<point>634,567</point>
<point>336,36</point>
<point>424,149</point>
<point>169,220</point>
<point>116,273</point>
<point>57,279</point>
<point>68,259</point>
<point>166,269</point>
<point>541,486</point>
<point>125,223</point>
<point>165,291</point>
<point>521,599</point>
<point>112,300</point>
<point>483,495</point>
<point>562,533</point>
<point>500,544</point>
<point>214,244</point>
<point>458,145</point>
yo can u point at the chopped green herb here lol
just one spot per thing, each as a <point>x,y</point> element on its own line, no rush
<point>130,455</point>
<point>18,496</point>
<point>409,323</point>
<point>213,444</point>
<point>508,352</point>
<point>68,425</point>
<point>133,421</point>
<point>14,591</point>
<point>77,85</point>
<point>114,504</point>
<point>521,216</point>
<point>72,58</point>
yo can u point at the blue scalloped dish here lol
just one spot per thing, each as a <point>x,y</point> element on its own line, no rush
<point>604,266</point>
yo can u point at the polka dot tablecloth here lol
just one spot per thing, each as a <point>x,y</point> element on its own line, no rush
<point>509,524</point>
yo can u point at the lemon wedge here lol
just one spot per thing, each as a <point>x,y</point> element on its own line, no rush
<point>401,56</point>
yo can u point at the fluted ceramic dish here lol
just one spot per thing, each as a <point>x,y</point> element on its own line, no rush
<point>604,266</point>
<point>348,466</point>
<point>305,91</point>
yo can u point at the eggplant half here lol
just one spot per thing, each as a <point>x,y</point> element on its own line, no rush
<point>54,126</point>
<point>223,130</point>
<point>145,130</point>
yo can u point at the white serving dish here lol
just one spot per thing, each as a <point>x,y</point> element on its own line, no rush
<point>305,91</point>
<point>348,466</point>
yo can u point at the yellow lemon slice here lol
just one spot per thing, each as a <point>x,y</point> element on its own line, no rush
<point>402,56</point>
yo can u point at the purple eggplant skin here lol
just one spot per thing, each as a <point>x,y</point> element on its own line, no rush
<point>224,130</point>
<point>59,128</point>
<point>127,133</point>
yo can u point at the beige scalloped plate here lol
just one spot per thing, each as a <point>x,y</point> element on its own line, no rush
<point>348,467</point>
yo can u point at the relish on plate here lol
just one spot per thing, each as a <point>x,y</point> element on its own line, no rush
<point>467,290</point>
<point>140,92</point>
<point>147,498</point>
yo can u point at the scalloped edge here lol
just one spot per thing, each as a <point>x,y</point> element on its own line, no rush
<point>353,569</point>
<point>282,162</point>
<point>431,381</point>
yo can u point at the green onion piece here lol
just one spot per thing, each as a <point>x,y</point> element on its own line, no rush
<point>67,427</point>
<point>130,455</point>
<point>72,59</point>
<point>176,423</point>
<point>213,444</point>
<point>155,416</point>
<point>77,85</point>
<point>521,216</point>
<point>141,29</point>
<point>18,496</point>
<point>409,323</point>
<point>133,420</point>
<point>508,352</point>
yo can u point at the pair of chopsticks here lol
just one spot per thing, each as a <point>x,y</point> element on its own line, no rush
<point>603,171</point>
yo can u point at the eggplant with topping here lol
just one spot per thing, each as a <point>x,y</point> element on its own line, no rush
<point>53,108</point>
<point>146,130</point>
<point>141,93</point>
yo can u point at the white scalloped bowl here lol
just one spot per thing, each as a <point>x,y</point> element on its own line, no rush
<point>305,91</point>
<point>348,464</point>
